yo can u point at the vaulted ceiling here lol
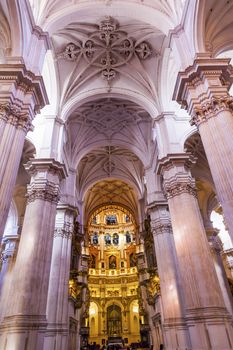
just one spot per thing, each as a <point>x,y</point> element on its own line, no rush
<point>108,192</point>
<point>109,122</point>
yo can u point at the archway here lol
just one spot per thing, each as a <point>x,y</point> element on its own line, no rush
<point>114,321</point>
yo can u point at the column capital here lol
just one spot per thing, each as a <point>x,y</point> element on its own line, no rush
<point>64,232</point>
<point>22,95</point>
<point>160,218</point>
<point>177,178</point>
<point>202,89</point>
<point>46,175</point>
<point>65,225</point>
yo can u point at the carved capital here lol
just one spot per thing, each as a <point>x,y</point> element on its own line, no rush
<point>14,116</point>
<point>210,108</point>
<point>23,94</point>
<point>202,89</point>
<point>64,232</point>
<point>45,191</point>
<point>161,228</point>
<point>177,178</point>
<point>174,188</point>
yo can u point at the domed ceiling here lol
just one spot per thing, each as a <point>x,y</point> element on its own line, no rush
<point>108,192</point>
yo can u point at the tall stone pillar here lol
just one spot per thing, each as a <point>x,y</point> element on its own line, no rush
<point>25,323</point>
<point>8,255</point>
<point>176,334</point>
<point>21,97</point>
<point>203,90</point>
<point>210,325</point>
<point>57,304</point>
<point>216,249</point>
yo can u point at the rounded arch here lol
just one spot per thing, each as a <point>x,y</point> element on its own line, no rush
<point>98,144</point>
<point>116,92</point>
<point>189,133</point>
<point>115,302</point>
<point>198,24</point>
<point>124,208</point>
<point>157,17</point>
<point>131,205</point>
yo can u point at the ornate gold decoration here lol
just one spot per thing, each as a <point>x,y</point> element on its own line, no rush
<point>107,49</point>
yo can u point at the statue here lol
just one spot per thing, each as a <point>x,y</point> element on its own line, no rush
<point>95,239</point>
<point>115,239</point>
<point>107,239</point>
<point>128,237</point>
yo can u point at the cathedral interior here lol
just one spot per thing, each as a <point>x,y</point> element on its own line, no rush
<point>116,174</point>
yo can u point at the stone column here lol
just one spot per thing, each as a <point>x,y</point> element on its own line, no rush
<point>25,323</point>
<point>210,325</point>
<point>176,334</point>
<point>216,249</point>
<point>8,255</point>
<point>57,304</point>
<point>21,97</point>
<point>203,90</point>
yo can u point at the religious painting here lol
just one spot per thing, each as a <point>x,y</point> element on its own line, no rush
<point>111,220</point>
<point>93,261</point>
<point>112,262</point>
<point>132,260</point>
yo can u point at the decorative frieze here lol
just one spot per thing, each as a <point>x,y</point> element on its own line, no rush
<point>45,191</point>
<point>210,108</point>
<point>174,188</point>
<point>14,116</point>
<point>202,89</point>
<point>64,232</point>
<point>160,228</point>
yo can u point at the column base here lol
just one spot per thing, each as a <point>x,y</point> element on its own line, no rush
<point>23,332</point>
<point>210,328</point>
<point>56,337</point>
<point>176,334</point>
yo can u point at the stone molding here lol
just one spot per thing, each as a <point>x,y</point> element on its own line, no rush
<point>48,166</point>
<point>47,191</point>
<point>210,108</point>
